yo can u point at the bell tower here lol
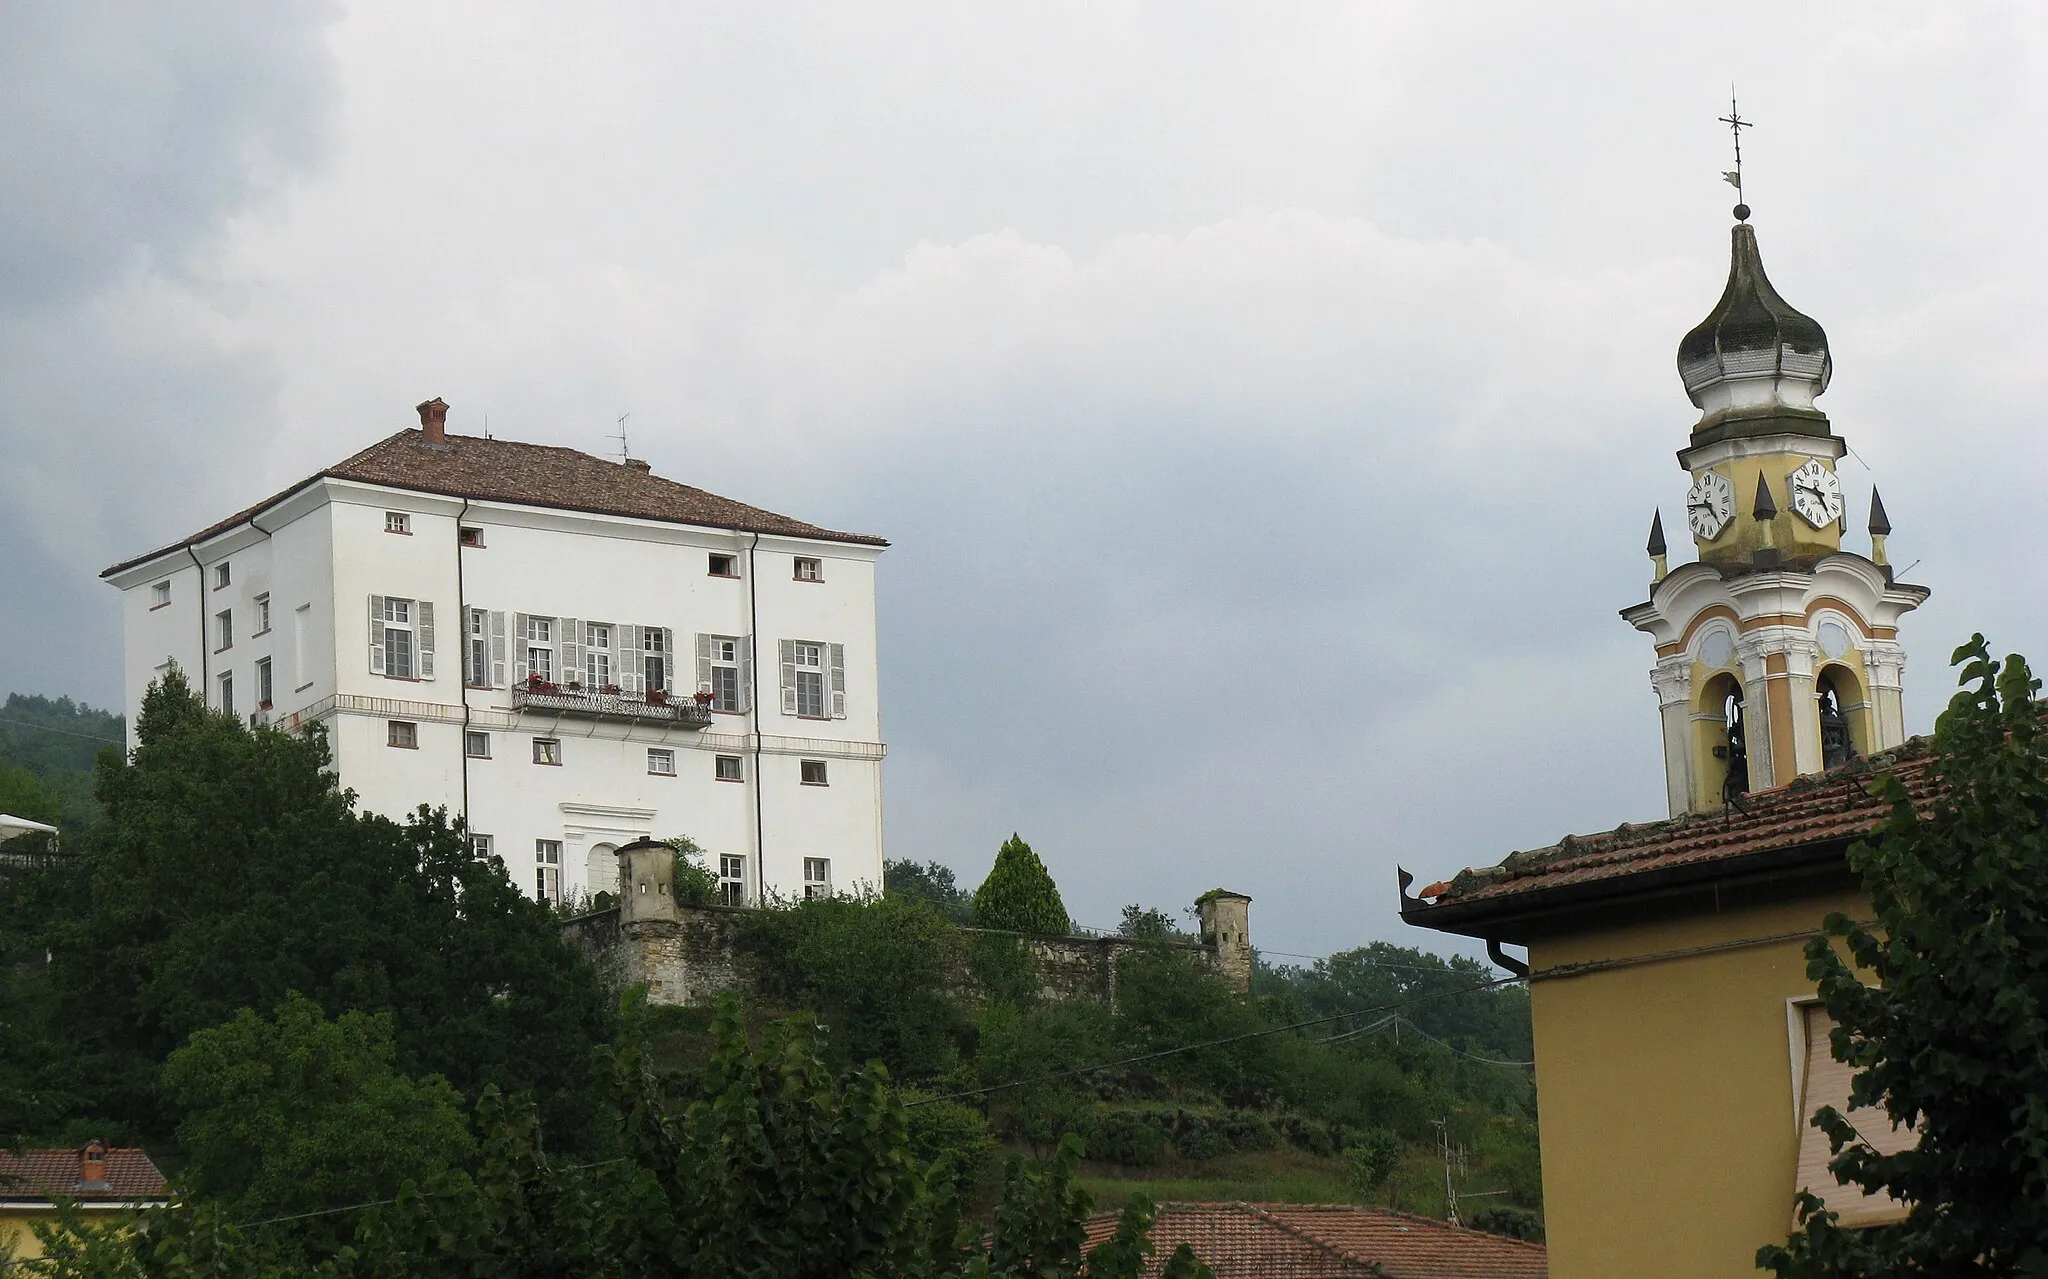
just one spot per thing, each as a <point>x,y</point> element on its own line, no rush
<point>1777,649</point>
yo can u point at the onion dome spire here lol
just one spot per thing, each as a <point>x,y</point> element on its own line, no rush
<point>1754,365</point>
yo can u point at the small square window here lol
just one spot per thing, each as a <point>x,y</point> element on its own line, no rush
<point>398,522</point>
<point>480,847</point>
<point>661,762</point>
<point>547,750</point>
<point>813,771</point>
<point>817,877</point>
<point>724,565</point>
<point>476,745</point>
<point>262,615</point>
<point>402,733</point>
<point>160,595</point>
<point>808,569</point>
<point>221,575</point>
<point>727,768</point>
<point>472,536</point>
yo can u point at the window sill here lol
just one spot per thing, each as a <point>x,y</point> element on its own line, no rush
<point>730,577</point>
<point>737,781</point>
<point>406,679</point>
<point>259,634</point>
<point>222,649</point>
<point>476,757</point>
<point>809,581</point>
<point>716,711</point>
<point>821,719</point>
<point>652,773</point>
<point>303,687</point>
<point>399,532</point>
<point>401,746</point>
<point>154,607</point>
<point>264,706</point>
<point>547,763</point>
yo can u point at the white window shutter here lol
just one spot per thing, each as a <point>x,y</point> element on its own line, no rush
<point>497,633</point>
<point>426,633</point>
<point>632,678</point>
<point>746,648</point>
<point>788,676</point>
<point>571,648</point>
<point>838,659</point>
<point>519,667</point>
<point>376,635</point>
<point>703,661</point>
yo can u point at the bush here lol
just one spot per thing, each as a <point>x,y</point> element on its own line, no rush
<point>1372,1159</point>
<point>1019,896</point>
<point>1515,1223</point>
<point>1124,1137</point>
<point>951,1139</point>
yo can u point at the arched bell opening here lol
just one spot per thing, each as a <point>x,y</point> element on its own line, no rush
<point>1721,741</point>
<point>1844,715</point>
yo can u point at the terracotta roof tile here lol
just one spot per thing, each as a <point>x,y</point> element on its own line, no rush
<point>33,1176</point>
<point>1828,808</point>
<point>1326,1241</point>
<point>530,475</point>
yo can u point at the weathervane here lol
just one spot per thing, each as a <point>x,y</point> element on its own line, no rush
<point>1736,124</point>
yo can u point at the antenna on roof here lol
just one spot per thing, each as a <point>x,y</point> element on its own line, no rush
<point>620,436</point>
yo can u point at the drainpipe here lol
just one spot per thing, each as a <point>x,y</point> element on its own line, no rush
<point>462,662</point>
<point>205,680</point>
<point>754,723</point>
<point>1514,966</point>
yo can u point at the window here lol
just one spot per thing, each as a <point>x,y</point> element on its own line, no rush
<point>396,646</point>
<point>726,768</point>
<point>547,870</point>
<point>222,576</point>
<point>732,879</point>
<point>160,595</point>
<point>480,847</point>
<point>654,654</point>
<point>810,680</point>
<point>547,750</point>
<point>1820,1080</point>
<point>402,733</point>
<point>223,630</point>
<point>540,648</point>
<point>812,771</point>
<point>597,654</point>
<point>262,615</point>
<point>808,569</point>
<point>476,745</point>
<point>724,565</point>
<point>817,877</point>
<point>227,693</point>
<point>476,649</point>
<point>725,673</point>
<point>471,537</point>
<point>264,685</point>
<point>661,762</point>
<point>398,522</point>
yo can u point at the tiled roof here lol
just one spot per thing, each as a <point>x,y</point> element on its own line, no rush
<point>1825,810</point>
<point>33,1176</point>
<point>1328,1241</point>
<point>488,470</point>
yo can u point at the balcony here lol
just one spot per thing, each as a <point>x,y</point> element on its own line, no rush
<point>572,699</point>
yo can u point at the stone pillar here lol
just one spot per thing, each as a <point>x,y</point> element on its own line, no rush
<point>1757,725</point>
<point>1227,935</point>
<point>647,882</point>
<point>1671,678</point>
<point>1884,665</point>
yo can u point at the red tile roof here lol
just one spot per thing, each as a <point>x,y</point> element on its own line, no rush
<point>1821,813</point>
<point>488,470</point>
<point>1326,1241</point>
<point>33,1176</point>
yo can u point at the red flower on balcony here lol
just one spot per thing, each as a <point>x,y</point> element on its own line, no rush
<point>657,697</point>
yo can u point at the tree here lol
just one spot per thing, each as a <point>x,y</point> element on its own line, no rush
<point>1019,896</point>
<point>1948,1038</point>
<point>297,1113</point>
<point>931,883</point>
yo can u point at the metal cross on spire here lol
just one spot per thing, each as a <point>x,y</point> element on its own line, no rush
<point>1736,124</point>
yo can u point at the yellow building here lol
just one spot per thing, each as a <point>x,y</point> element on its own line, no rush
<point>1679,1050</point>
<point>103,1181</point>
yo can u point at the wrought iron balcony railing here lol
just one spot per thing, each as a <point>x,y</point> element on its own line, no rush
<point>572,700</point>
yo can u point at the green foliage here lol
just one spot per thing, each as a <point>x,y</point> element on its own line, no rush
<point>1150,925</point>
<point>55,741</point>
<point>696,882</point>
<point>1372,1157</point>
<point>1943,1005</point>
<point>931,883</point>
<point>874,969</point>
<point>298,1113</point>
<point>1019,896</point>
<point>952,1140</point>
<point>228,871</point>
<point>1515,1223</point>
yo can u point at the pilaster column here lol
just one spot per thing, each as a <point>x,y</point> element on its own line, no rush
<point>1800,649</point>
<point>1751,652</point>
<point>1884,663</point>
<point>1671,680</point>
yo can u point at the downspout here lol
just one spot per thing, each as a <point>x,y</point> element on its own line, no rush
<point>462,662</point>
<point>273,575</point>
<point>1514,966</point>
<point>754,714</point>
<point>205,681</point>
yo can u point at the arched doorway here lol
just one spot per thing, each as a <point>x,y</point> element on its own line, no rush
<point>601,874</point>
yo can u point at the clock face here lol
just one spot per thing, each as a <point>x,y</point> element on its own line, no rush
<point>1816,493</point>
<point>1709,505</point>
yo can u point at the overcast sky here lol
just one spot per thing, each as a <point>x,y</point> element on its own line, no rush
<point>1267,402</point>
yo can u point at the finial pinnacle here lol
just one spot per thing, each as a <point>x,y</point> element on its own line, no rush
<point>1656,546</point>
<point>1880,523</point>
<point>1765,508</point>
<point>1733,177</point>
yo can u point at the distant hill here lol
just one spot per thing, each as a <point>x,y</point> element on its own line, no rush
<point>47,749</point>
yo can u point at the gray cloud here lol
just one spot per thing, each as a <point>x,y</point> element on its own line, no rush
<point>1267,408</point>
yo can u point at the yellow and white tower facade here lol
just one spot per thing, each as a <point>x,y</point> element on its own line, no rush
<point>1777,650</point>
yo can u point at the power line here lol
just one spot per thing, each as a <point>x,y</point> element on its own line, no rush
<point>49,728</point>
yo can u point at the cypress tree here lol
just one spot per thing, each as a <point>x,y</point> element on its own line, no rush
<point>1019,896</point>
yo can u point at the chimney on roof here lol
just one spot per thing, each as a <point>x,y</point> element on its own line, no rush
<point>92,1166</point>
<point>434,419</point>
<point>635,464</point>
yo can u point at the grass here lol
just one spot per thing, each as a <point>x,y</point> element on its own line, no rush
<point>1270,1176</point>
